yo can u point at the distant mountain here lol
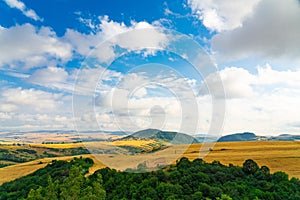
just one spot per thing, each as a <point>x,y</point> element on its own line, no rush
<point>252,137</point>
<point>284,137</point>
<point>168,136</point>
<point>247,136</point>
<point>205,138</point>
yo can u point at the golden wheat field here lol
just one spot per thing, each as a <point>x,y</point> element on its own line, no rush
<point>277,155</point>
<point>59,146</point>
<point>134,143</point>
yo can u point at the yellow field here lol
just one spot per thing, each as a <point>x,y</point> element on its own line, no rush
<point>59,146</point>
<point>134,143</point>
<point>278,156</point>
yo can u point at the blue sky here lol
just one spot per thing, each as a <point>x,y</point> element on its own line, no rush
<point>109,65</point>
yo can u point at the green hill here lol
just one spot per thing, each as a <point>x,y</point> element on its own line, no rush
<point>167,136</point>
<point>238,137</point>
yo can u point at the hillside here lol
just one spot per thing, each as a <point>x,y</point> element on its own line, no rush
<point>247,136</point>
<point>167,136</point>
<point>285,137</point>
<point>11,154</point>
<point>238,137</point>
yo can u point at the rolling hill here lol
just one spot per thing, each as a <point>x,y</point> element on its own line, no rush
<point>166,136</point>
<point>247,136</point>
<point>285,137</point>
<point>238,137</point>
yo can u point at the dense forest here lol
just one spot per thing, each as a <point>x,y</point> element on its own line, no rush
<point>184,180</point>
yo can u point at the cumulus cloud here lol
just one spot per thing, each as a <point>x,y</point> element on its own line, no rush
<point>108,34</point>
<point>222,15</point>
<point>30,99</point>
<point>237,83</point>
<point>240,83</point>
<point>22,7</point>
<point>29,47</point>
<point>32,109</point>
<point>287,78</point>
<point>271,33</point>
<point>263,102</point>
<point>49,76</point>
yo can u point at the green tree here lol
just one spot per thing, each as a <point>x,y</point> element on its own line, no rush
<point>51,191</point>
<point>250,167</point>
<point>224,197</point>
<point>35,194</point>
<point>197,195</point>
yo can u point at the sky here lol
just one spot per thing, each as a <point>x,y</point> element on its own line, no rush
<point>193,66</point>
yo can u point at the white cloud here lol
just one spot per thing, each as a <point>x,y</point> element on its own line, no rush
<point>142,35</point>
<point>220,15</point>
<point>81,43</point>
<point>49,75</point>
<point>29,47</point>
<point>6,107</point>
<point>31,122</point>
<point>4,116</point>
<point>88,80</point>
<point>30,99</point>
<point>32,109</point>
<point>140,92</point>
<point>237,83</point>
<point>269,76</point>
<point>52,77</point>
<point>108,34</point>
<point>22,7</point>
<point>271,34</point>
<point>265,103</point>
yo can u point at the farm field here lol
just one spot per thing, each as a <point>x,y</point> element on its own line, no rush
<point>277,155</point>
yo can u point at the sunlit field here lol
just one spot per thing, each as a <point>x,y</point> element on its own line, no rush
<point>277,155</point>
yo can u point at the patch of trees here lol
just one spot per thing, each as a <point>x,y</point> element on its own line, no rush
<point>18,155</point>
<point>200,180</point>
<point>132,150</point>
<point>3,164</point>
<point>184,180</point>
<point>57,172</point>
<point>29,154</point>
<point>29,151</point>
<point>75,186</point>
<point>13,157</point>
<point>67,151</point>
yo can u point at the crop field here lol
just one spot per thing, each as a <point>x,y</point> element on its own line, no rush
<point>59,146</point>
<point>134,143</point>
<point>278,156</point>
